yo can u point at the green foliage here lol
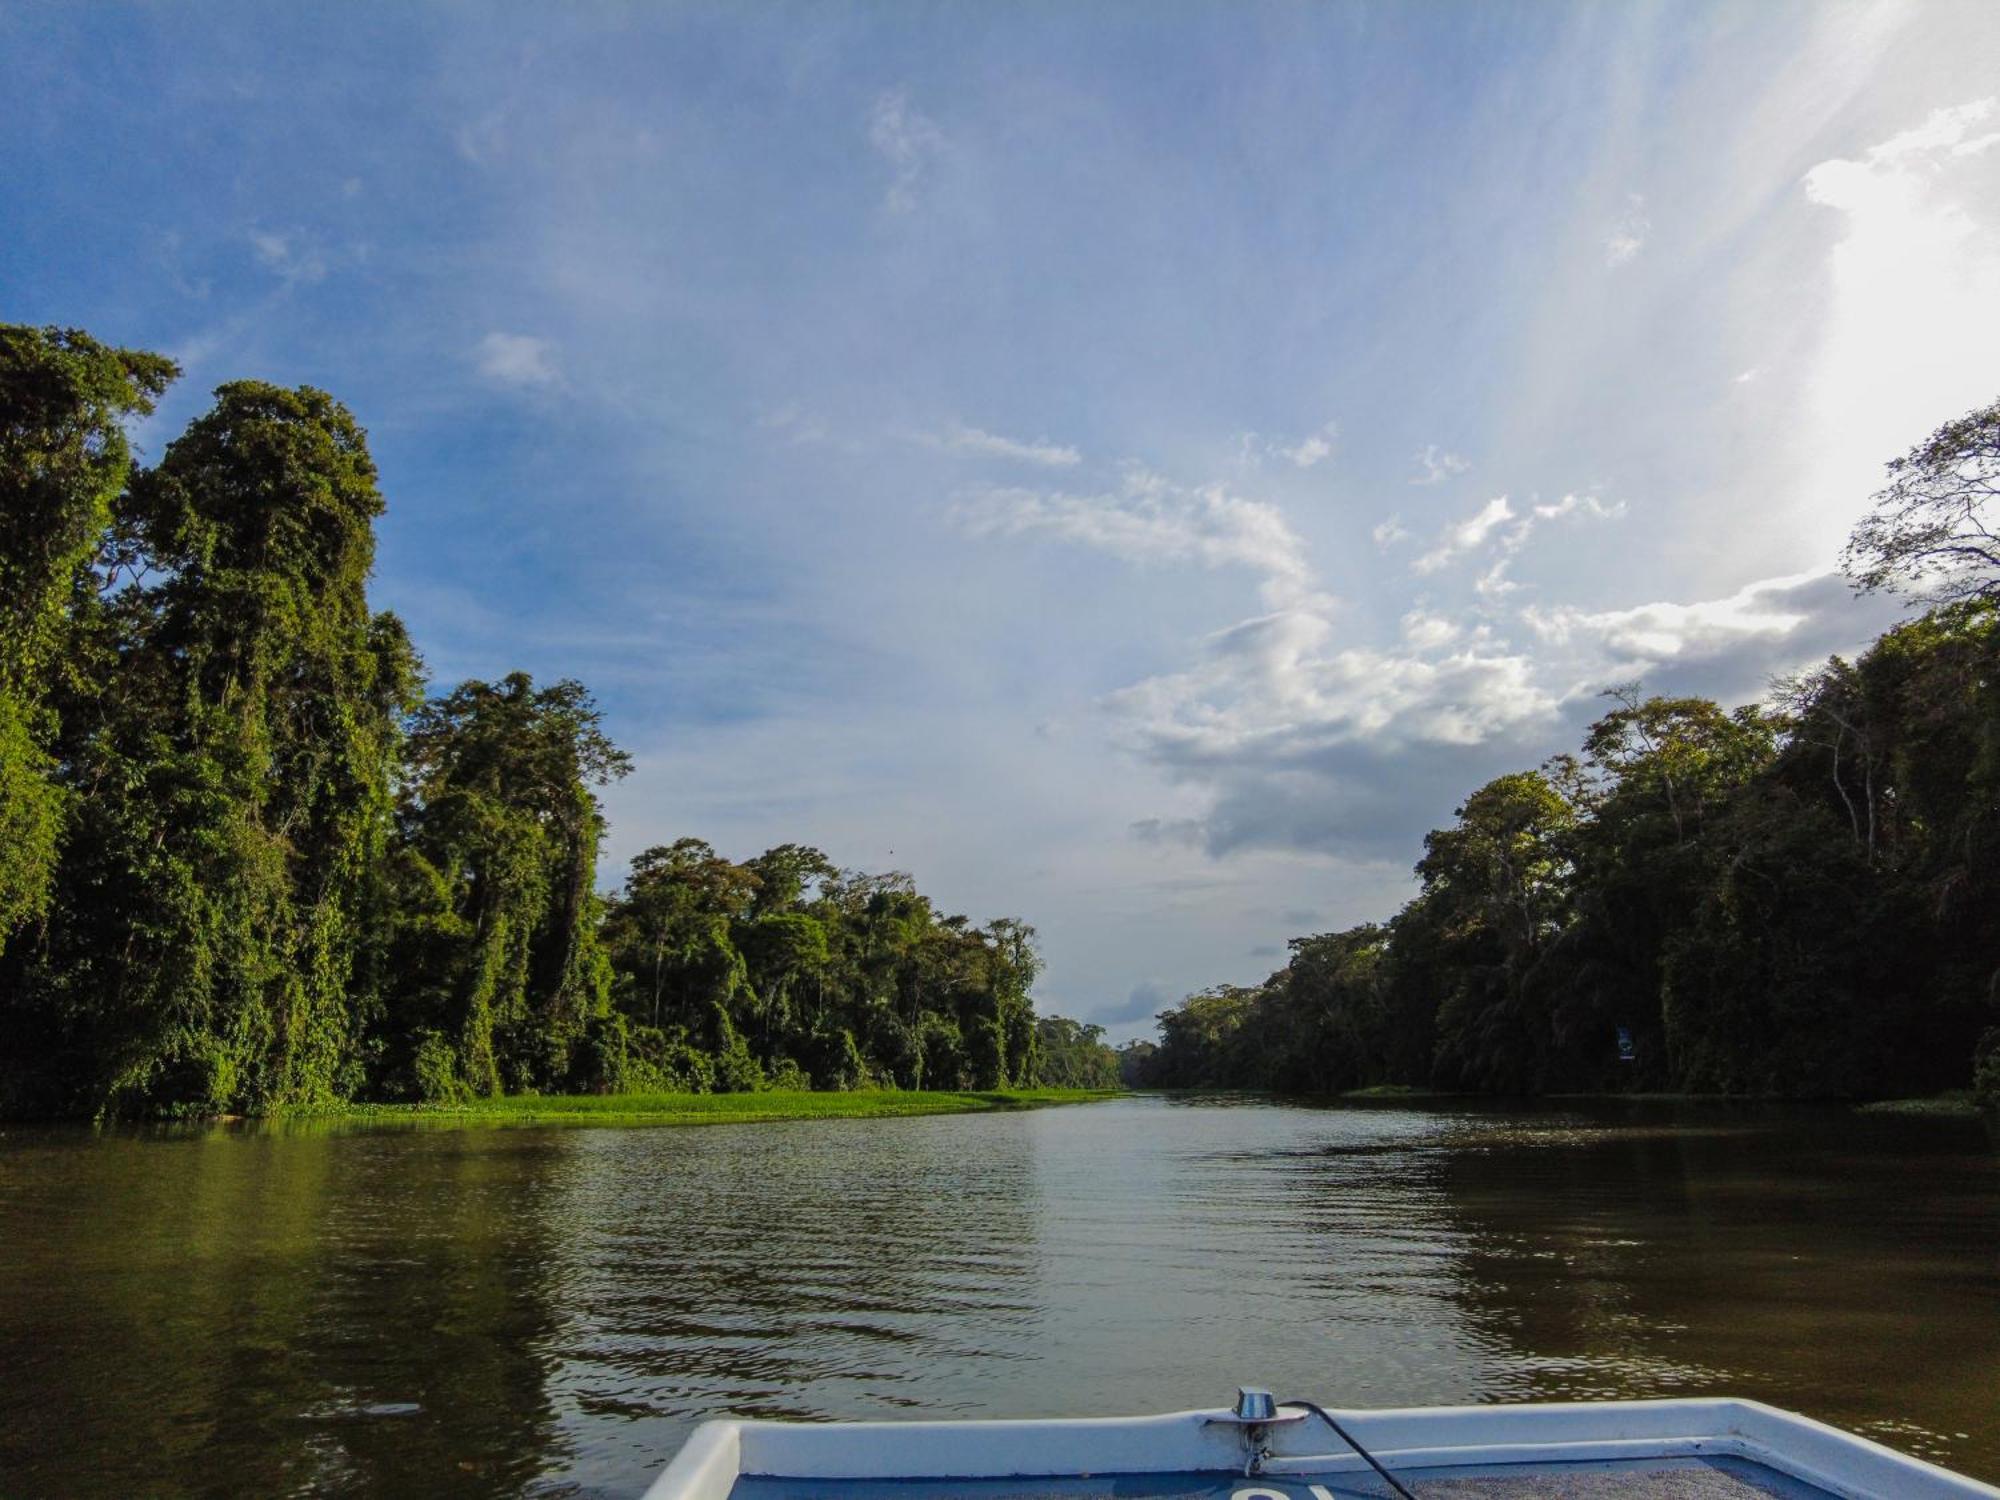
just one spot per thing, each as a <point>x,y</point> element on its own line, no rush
<point>1986,1069</point>
<point>1802,899</point>
<point>653,1107</point>
<point>247,866</point>
<point>1798,902</point>
<point>31,819</point>
<point>231,735</point>
<point>494,941</point>
<point>1072,1055</point>
<point>435,1069</point>
<point>1212,1040</point>
<point>784,968</point>
<point>64,400</point>
<point>1932,534</point>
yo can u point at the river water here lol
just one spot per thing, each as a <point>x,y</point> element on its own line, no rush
<point>505,1311</point>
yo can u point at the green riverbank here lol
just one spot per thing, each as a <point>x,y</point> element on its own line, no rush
<point>714,1109</point>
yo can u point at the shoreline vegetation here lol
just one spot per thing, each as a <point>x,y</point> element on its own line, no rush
<point>768,1106</point>
<point>1796,898</point>
<point>253,863</point>
<point>1956,1104</point>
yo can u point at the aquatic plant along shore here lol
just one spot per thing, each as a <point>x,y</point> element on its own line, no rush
<point>764,1106</point>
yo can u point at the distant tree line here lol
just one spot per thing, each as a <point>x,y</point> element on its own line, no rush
<point>1799,898</point>
<point>248,864</point>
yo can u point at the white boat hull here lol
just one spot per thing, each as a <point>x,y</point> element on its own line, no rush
<point>1410,1442</point>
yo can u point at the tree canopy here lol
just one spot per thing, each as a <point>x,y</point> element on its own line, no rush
<point>1795,898</point>
<point>1931,534</point>
<point>248,863</point>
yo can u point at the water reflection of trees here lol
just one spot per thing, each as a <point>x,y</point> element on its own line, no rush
<point>282,1311</point>
<point>488,1312</point>
<point>1838,1265</point>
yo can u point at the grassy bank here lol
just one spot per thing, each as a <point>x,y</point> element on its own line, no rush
<point>1958,1104</point>
<point>715,1109</point>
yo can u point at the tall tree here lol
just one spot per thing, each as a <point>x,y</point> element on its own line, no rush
<point>64,458</point>
<point>1495,886</point>
<point>235,748</point>
<point>1934,532</point>
<point>502,977</point>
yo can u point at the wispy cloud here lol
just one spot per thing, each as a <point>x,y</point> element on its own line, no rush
<point>1629,234</point>
<point>516,359</point>
<point>1305,741</point>
<point>1315,448</point>
<point>1152,520</point>
<point>1390,532</point>
<point>909,141</point>
<point>1497,521</point>
<point>1652,634</point>
<point>959,438</point>
<point>1466,536</point>
<point>1435,465</point>
<point>1914,294</point>
<point>290,255</point>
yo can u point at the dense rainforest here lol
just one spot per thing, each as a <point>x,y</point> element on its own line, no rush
<point>248,863</point>
<point>1799,897</point>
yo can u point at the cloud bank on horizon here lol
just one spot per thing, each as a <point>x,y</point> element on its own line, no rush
<point>1137,473</point>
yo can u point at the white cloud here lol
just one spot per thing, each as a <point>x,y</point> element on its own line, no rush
<point>1435,465</point>
<point>1914,282</point>
<point>1315,448</point>
<point>1944,130</point>
<point>1426,631</point>
<point>1303,742</point>
<point>1467,535</point>
<point>1491,522</point>
<point>1279,689</point>
<point>1389,532</point>
<point>1655,634</point>
<point>1569,505</point>
<point>516,359</point>
<point>908,141</point>
<point>1628,236</point>
<point>290,256</point>
<point>1151,520</point>
<point>958,438</point>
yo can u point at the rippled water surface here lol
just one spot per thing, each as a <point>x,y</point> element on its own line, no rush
<point>529,1311</point>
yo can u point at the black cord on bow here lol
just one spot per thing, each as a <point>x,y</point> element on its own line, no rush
<point>1348,1438</point>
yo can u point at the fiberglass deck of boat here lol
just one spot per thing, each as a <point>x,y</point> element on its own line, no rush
<point>1711,1449</point>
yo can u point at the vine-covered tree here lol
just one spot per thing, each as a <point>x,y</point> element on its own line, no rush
<point>1800,898</point>
<point>246,866</point>
<point>232,736</point>
<point>497,979</point>
<point>784,970</point>
<point>1072,1055</point>
<point>1790,902</point>
<point>64,457</point>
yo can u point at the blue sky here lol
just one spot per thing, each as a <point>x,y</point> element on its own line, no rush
<point>1134,466</point>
